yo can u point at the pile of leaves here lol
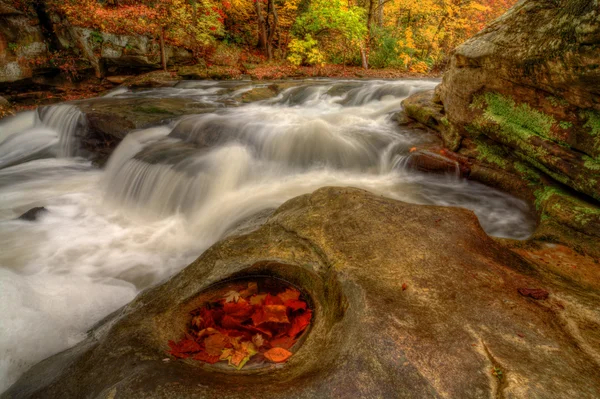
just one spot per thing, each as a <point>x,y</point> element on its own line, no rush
<point>245,325</point>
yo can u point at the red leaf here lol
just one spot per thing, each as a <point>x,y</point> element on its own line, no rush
<point>205,357</point>
<point>300,323</point>
<point>241,309</point>
<point>270,313</point>
<point>295,304</point>
<point>283,342</point>
<point>273,300</point>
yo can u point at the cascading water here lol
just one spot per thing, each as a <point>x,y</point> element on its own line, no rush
<point>46,133</point>
<point>170,191</point>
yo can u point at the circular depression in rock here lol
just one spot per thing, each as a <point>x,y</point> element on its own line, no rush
<point>245,324</point>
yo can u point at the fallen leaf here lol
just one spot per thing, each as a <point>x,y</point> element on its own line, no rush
<point>257,299</point>
<point>283,342</point>
<point>232,296</point>
<point>251,290</point>
<point>404,287</point>
<point>205,357</point>
<point>270,314</point>
<point>277,355</point>
<point>300,323</point>
<point>215,344</point>
<point>258,340</point>
<point>413,149</point>
<point>289,295</point>
<point>295,304</point>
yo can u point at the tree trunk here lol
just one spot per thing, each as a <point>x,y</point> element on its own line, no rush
<point>262,31</point>
<point>163,53</point>
<point>271,27</point>
<point>380,13</point>
<point>370,17</point>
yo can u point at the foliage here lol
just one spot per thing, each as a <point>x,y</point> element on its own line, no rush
<point>245,325</point>
<point>413,35</point>
<point>332,23</point>
<point>305,52</point>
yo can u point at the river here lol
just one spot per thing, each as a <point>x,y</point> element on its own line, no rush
<point>170,191</point>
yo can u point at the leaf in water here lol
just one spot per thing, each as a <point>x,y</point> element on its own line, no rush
<point>277,355</point>
<point>289,295</point>
<point>295,304</point>
<point>232,296</point>
<point>215,344</point>
<point>257,299</point>
<point>300,323</point>
<point>282,342</point>
<point>258,340</point>
<point>270,313</point>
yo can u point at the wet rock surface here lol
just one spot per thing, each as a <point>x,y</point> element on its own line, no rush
<point>408,300</point>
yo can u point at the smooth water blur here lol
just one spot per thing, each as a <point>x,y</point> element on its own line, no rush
<point>170,191</point>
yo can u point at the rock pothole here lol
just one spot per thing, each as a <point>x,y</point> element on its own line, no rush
<point>249,323</point>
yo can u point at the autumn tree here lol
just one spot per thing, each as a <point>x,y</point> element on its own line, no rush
<point>327,22</point>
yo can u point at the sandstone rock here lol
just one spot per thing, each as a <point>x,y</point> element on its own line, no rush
<point>530,81</point>
<point>423,109</point>
<point>152,80</point>
<point>460,330</point>
<point>434,162</point>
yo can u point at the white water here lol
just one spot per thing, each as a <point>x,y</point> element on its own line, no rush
<point>171,191</point>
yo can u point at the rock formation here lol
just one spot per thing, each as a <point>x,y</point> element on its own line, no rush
<point>521,101</point>
<point>409,301</point>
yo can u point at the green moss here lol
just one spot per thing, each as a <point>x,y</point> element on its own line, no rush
<point>591,164</point>
<point>543,195</point>
<point>593,122</point>
<point>528,173</point>
<point>445,121</point>
<point>556,102</point>
<point>565,125</point>
<point>518,119</point>
<point>151,110</point>
<point>491,154</point>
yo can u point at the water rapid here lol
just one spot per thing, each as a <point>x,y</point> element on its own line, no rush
<point>170,191</point>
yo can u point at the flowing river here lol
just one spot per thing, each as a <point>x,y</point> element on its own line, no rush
<point>170,191</point>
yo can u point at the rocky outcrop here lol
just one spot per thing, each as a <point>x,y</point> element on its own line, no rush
<point>521,99</point>
<point>398,312</point>
<point>20,38</point>
<point>108,120</point>
<point>111,52</point>
<point>27,41</point>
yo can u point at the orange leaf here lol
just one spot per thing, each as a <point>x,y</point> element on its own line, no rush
<point>270,313</point>
<point>277,355</point>
<point>289,294</point>
<point>257,299</point>
<point>215,344</point>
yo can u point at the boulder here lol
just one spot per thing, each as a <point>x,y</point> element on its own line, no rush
<point>33,214</point>
<point>531,82</point>
<point>521,100</point>
<point>19,38</point>
<point>409,301</point>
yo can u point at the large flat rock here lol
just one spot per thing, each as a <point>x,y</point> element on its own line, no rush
<point>409,302</point>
